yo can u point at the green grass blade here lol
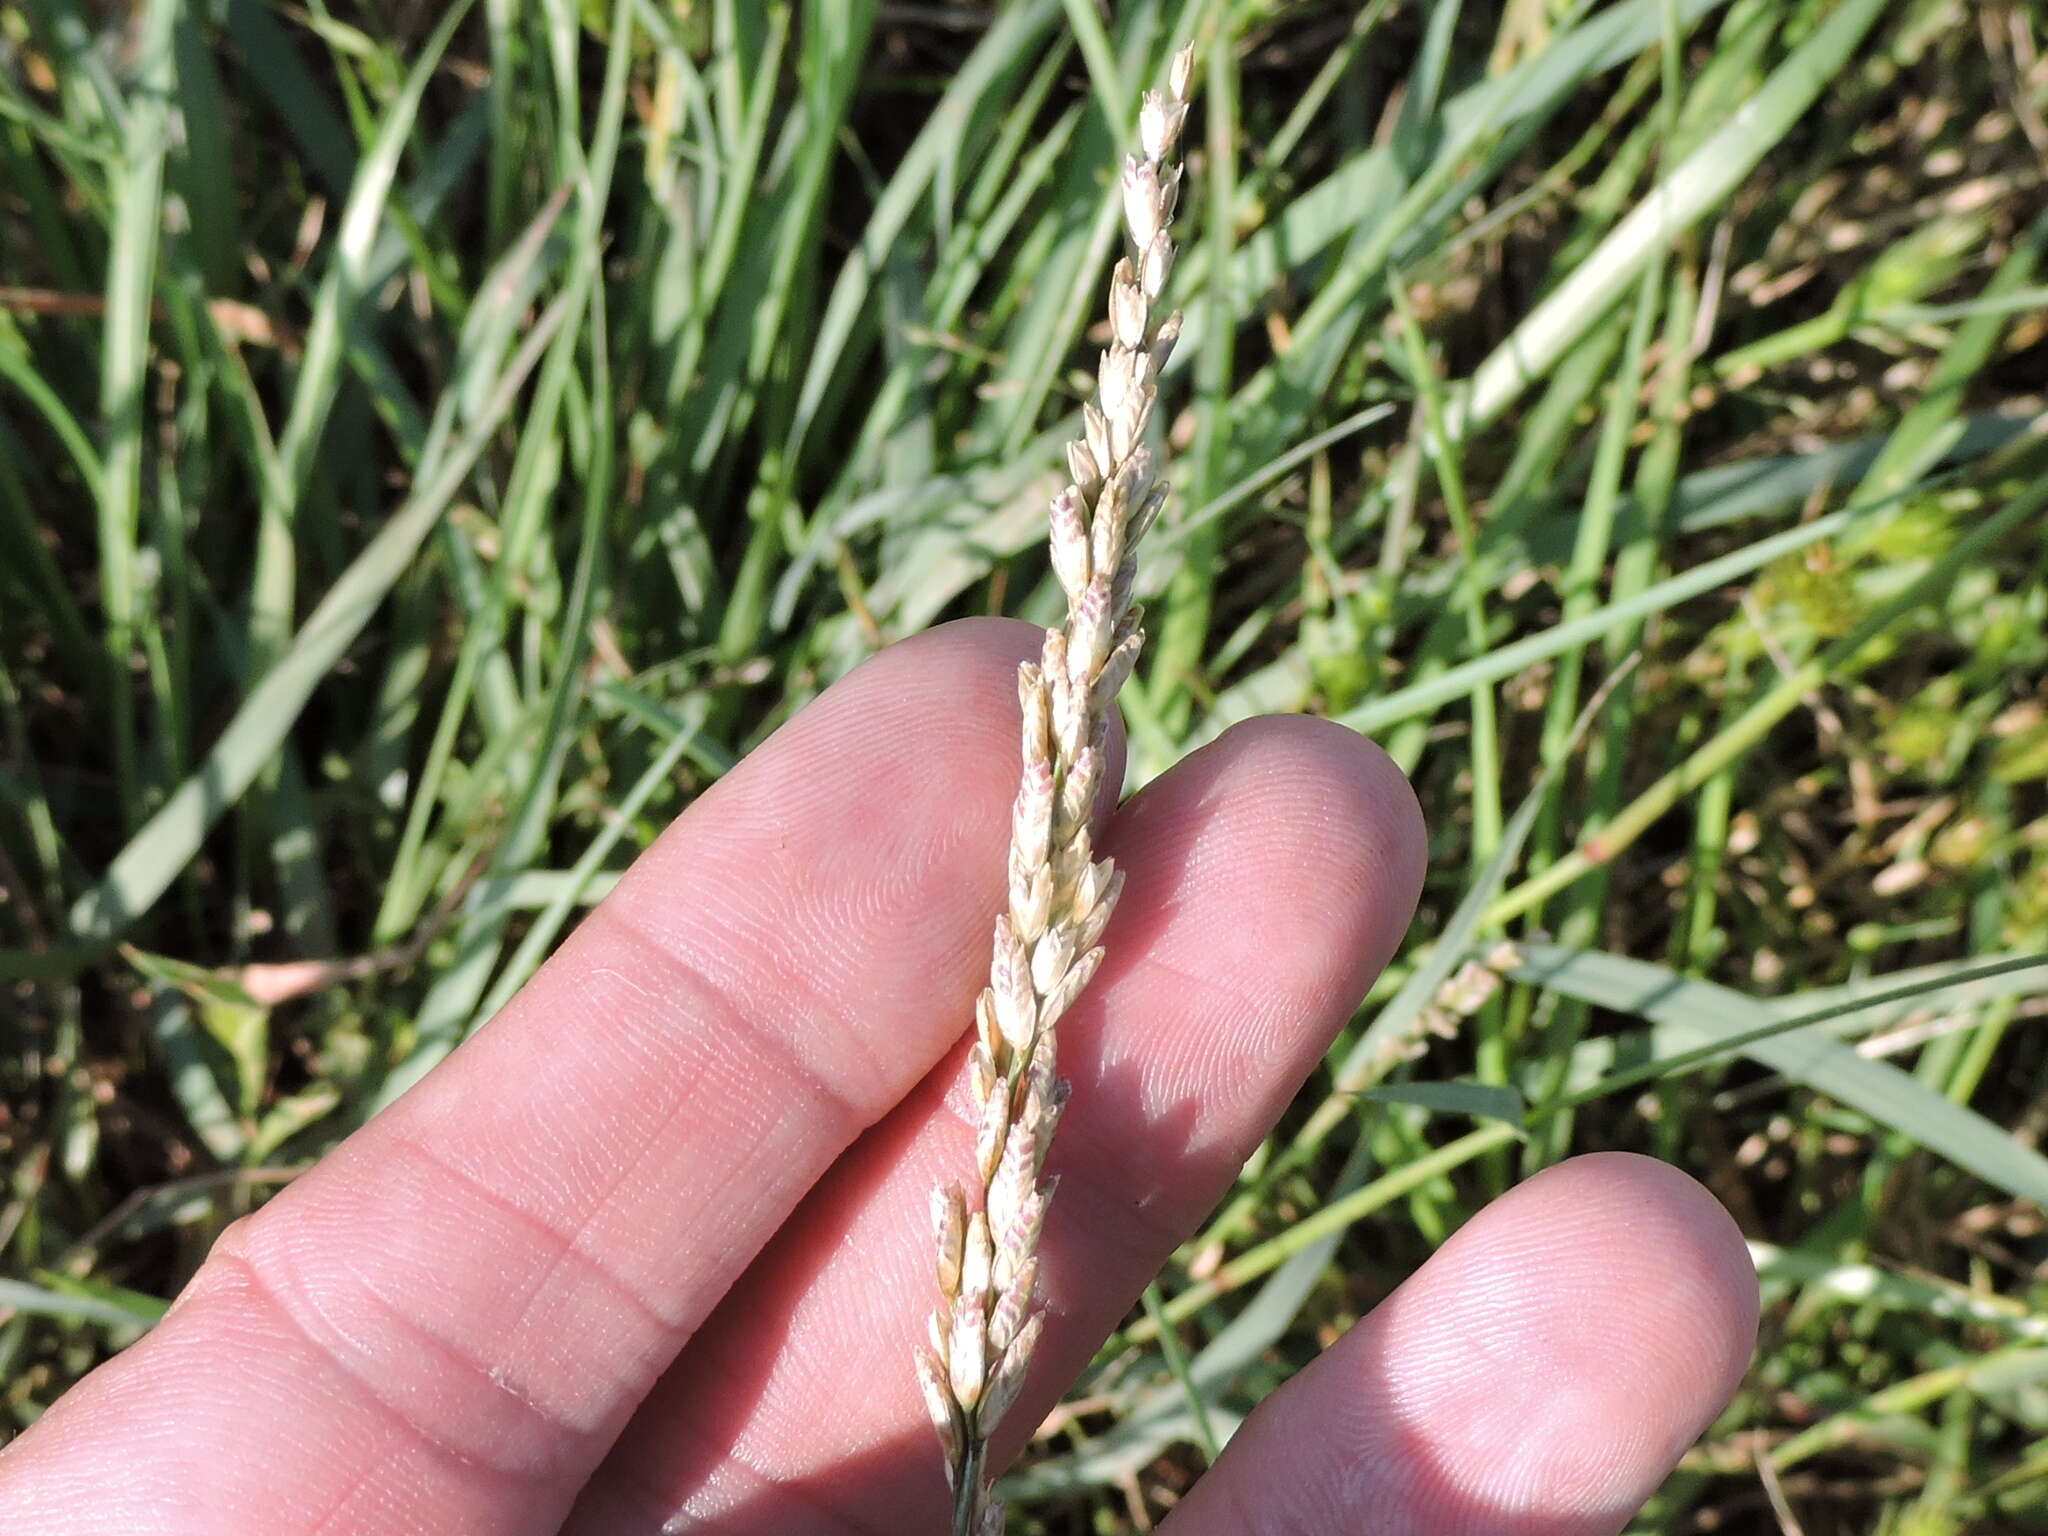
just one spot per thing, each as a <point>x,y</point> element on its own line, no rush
<point>1696,187</point>
<point>155,856</point>
<point>1703,1015</point>
<point>124,368</point>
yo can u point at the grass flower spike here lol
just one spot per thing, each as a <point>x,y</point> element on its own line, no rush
<point>1048,938</point>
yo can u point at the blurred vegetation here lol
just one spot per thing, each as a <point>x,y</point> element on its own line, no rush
<point>434,445</point>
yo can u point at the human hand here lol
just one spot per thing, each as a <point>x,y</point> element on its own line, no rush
<point>651,1252</point>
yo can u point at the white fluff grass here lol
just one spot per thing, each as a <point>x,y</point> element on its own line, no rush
<point>1047,941</point>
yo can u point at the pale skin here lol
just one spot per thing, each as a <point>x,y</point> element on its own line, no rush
<point>653,1248</point>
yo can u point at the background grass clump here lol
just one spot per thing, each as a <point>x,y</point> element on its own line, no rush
<point>434,445</point>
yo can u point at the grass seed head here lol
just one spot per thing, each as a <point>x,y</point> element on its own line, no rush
<point>1060,898</point>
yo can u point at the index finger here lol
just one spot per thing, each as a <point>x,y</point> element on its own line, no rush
<point>451,1317</point>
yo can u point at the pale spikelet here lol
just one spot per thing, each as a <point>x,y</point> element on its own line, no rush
<point>1010,1373</point>
<point>978,1255</point>
<point>1096,921</point>
<point>1072,719</point>
<point>1061,997</point>
<point>1095,431</point>
<point>1016,1005</point>
<point>1031,823</point>
<point>967,1347</point>
<point>1059,897</point>
<point>1013,1306</point>
<point>1082,470</point>
<point>938,1402</point>
<point>1128,309</point>
<point>1077,794</point>
<point>1037,736</point>
<point>1461,996</point>
<point>1019,1240</point>
<point>1143,518</point>
<point>1145,209</point>
<point>1050,957</point>
<point>1154,267</point>
<point>1031,902</point>
<point>981,1070</point>
<point>1069,543</point>
<point>1013,1194</point>
<point>990,1140</point>
<point>949,1215</point>
<point>1159,123</point>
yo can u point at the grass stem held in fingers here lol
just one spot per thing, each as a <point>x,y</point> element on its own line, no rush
<point>1048,936</point>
